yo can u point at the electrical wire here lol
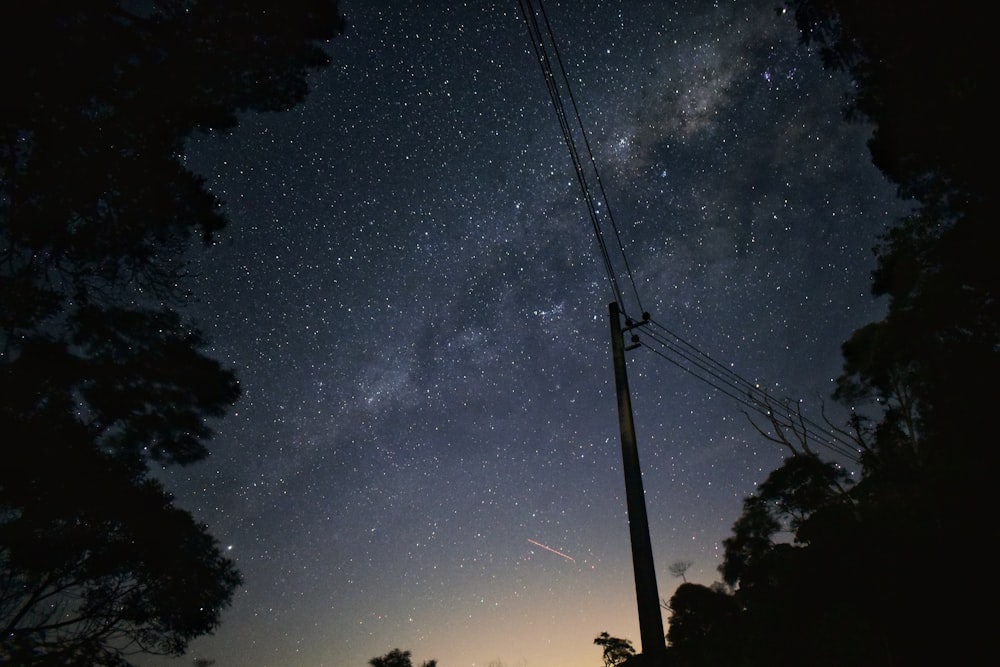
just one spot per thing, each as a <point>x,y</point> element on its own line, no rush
<point>556,79</point>
<point>676,350</point>
<point>659,340</point>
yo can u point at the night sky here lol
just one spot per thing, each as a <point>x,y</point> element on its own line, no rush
<point>412,295</point>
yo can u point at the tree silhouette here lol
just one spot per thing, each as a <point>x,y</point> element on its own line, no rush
<point>398,658</point>
<point>679,568</point>
<point>931,364</point>
<point>615,650</point>
<point>701,625</point>
<point>100,375</point>
<point>829,573</point>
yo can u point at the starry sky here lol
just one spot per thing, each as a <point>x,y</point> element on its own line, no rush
<point>426,454</point>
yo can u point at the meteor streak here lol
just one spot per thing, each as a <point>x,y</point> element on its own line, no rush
<point>558,553</point>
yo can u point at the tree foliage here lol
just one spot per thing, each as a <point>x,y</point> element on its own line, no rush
<point>100,374</point>
<point>700,617</point>
<point>921,82</point>
<point>679,568</point>
<point>822,572</point>
<point>398,658</point>
<point>615,650</point>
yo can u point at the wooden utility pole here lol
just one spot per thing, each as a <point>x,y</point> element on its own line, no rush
<point>647,595</point>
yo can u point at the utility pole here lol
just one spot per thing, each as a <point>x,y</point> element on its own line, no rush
<point>647,595</point>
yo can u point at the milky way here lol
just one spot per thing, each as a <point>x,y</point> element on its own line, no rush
<point>411,294</point>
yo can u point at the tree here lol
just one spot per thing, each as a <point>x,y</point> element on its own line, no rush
<point>826,573</point>
<point>680,568</point>
<point>701,620</point>
<point>616,650</point>
<point>100,374</point>
<point>920,81</point>
<point>398,658</point>
<point>931,363</point>
<point>918,78</point>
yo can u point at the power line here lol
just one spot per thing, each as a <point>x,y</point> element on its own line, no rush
<point>557,81</point>
<point>661,341</point>
<point>674,349</point>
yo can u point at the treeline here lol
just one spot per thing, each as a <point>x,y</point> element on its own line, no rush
<point>101,376</point>
<point>822,569</point>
